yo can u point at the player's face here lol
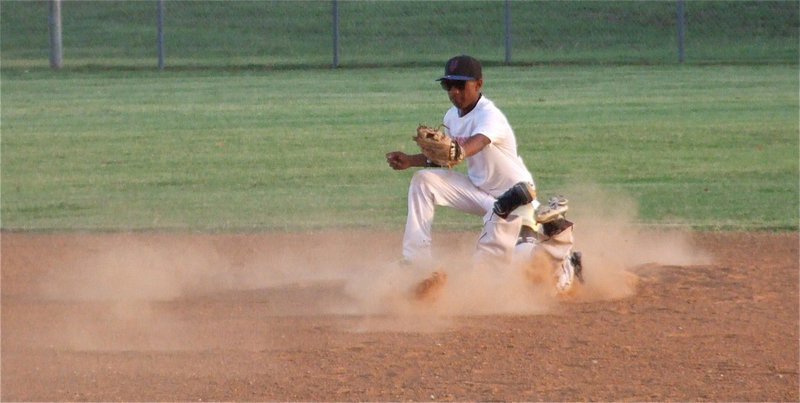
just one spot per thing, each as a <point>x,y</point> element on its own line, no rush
<point>462,93</point>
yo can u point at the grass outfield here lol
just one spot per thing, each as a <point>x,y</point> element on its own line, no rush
<point>709,147</point>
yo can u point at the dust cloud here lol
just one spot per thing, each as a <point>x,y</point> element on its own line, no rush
<point>614,244</point>
<point>607,233</point>
<point>125,283</point>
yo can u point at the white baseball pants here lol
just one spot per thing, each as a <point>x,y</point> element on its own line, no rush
<point>442,187</point>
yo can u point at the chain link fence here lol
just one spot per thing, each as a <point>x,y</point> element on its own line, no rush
<point>288,34</point>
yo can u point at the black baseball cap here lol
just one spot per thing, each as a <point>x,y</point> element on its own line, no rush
<point>462,68</point>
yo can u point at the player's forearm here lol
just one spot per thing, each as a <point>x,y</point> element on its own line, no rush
<point>475,144</point>
<point>418,160</point>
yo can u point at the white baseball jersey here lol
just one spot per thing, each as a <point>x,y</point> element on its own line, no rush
<point>498,166</point>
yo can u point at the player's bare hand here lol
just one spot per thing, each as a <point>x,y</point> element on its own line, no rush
<point>398,160</point>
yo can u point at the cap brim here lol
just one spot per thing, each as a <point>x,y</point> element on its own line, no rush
<point>456,78</point>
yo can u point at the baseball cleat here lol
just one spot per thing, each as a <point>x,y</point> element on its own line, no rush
<point>554,209</point>
<point>430,288</point>
<point>559,200</point>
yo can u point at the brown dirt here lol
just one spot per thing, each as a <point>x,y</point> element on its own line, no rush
<point>323,316</point>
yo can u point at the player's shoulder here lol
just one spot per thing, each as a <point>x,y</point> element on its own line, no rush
<point>484,102</point>
<point>487,104</point>
<point>487,108</point>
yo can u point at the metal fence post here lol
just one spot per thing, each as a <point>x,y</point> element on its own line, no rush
<point>681,22</point>
<point>160,34</point>
<point>508,31</point>
<point>54,22</point>
<point>335,34</point>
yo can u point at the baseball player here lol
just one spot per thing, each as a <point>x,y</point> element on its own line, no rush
<point>497,185</point>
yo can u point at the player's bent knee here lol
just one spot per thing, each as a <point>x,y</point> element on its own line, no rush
<point>520,194</point>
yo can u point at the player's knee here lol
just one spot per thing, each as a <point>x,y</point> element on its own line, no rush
<point>520,194</point>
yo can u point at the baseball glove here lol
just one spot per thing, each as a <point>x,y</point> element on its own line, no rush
<point>440,149</point>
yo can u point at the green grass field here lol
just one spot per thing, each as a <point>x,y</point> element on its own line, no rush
<point>243,133</point>
<point>709,147</point>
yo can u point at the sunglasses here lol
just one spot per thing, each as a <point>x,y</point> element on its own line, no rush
<point>448,84</point>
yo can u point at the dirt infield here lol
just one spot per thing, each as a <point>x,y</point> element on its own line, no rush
<point>324,317</point>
